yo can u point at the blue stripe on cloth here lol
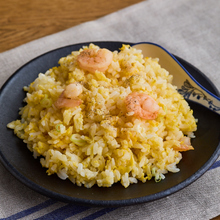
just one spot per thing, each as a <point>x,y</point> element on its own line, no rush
<point>98,214</point>
<point>68,210</point>
<point>31,210</point>
<point>215,165</point>
<point>64,212</point>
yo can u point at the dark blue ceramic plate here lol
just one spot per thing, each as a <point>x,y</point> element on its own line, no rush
<point>19,160</point>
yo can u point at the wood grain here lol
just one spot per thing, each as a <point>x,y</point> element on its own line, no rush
<point>22,21</point>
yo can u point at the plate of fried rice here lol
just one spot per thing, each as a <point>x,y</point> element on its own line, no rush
<point>99,124</point>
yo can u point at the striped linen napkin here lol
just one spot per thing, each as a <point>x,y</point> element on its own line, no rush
<point>190,30</point>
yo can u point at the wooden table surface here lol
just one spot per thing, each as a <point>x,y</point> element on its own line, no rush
<point>22,21</point>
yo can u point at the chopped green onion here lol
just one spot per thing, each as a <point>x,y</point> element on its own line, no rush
<point>153,171</point>
<point>76,139</point>
<point>46,102</point>
<point>58,127</point>
<point>158,178</point>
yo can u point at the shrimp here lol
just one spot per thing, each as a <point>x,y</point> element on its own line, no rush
<point>69,97</point>
<point>142,105</point>
<point>185,144</point>
<point>92,60</point>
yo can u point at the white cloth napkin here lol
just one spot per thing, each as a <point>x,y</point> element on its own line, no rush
<point>188,29</point>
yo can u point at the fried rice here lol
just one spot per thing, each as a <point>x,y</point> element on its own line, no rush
<point>98,142</point>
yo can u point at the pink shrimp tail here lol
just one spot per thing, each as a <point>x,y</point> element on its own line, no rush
<point>185,145</point>
<point>63,102</point>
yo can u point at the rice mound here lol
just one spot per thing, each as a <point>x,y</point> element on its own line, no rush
<point>98,142</point>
